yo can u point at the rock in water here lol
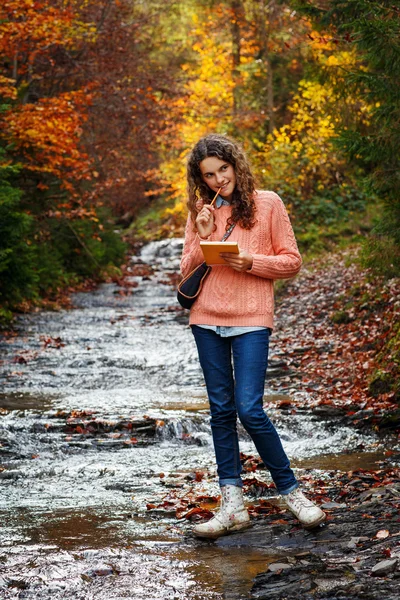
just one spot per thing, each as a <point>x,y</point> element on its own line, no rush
<point>384,567</point>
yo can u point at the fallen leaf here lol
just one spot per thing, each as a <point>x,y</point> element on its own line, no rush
<point>198,513</point>
<point>382,534</point>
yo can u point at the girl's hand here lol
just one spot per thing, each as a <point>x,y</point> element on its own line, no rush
<point>199,204</point>
<point>205,221</point>
<point>239,262</point>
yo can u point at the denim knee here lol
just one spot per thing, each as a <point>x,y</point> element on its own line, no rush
<point>221,415</point>
<point>252,420</point>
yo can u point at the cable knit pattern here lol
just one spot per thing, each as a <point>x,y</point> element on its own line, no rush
<point>231,298</point>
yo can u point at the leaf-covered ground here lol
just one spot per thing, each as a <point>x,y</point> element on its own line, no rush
<point>334,323</point>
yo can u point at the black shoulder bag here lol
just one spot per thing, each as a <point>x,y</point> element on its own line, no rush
<point>190,287</point>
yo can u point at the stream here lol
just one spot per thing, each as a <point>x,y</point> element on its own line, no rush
<point>103,412</point>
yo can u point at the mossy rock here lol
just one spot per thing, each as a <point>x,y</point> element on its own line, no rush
<point>341,316</point>
<point>381,383</point>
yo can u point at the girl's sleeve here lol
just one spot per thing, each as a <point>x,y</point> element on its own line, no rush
<point>286,260</point>
<point>192,255</point>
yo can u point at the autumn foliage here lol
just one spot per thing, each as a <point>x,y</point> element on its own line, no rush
<point>46,137</point>
<point>78,116</point>
<point>101,100</point>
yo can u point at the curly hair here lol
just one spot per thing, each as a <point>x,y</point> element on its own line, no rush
<point>226,149</point>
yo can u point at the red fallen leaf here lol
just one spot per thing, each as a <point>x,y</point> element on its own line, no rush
<point>35,455</point>
<point>81,413</point>
<point>284,404</point>
<point>198,513</point>
<point>20,360</point>
<point>204,498</point>
<point>387,552</point>
<point>79,429</point>
<point>260,509</point>
<point>52,342</point>
<point>199,475</point>
<point>279,522</point>
<point>162,475</point>
<point>151,506</point>
<point>324,498</point>
<point>250,467</point>
<point>131,442</point>
<point>382,534</point>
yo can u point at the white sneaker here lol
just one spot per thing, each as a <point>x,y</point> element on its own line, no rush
<point>232,515</point>
<point>308,513</point>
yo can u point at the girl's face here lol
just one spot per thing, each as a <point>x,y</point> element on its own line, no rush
<point>217,174</point>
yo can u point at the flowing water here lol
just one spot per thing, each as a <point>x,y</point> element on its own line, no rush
<point>103,412</point>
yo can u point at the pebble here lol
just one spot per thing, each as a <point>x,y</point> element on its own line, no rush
<point>384,567</point>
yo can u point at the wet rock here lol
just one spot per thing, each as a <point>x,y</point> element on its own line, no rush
<point>365,496</point>
<point>10,475</point>
<point>301,349</point>
<point>278,567</point>
<point>100,572</point>
<point>352,544</point>
<point>330,505</point>
<point>384,567</point>
<point>327,410</point>
<point>162,512</point>
<point>301,580</point>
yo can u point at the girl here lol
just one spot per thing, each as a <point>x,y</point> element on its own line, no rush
<point>232,320</point>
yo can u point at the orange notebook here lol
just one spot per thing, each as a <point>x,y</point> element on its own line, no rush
<point>211,251</point>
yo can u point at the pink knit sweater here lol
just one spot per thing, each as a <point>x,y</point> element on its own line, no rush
<point>247,298</point>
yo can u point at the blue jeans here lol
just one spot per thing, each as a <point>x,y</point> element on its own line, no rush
<point>240,394</point>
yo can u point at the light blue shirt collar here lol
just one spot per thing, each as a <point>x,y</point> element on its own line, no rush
<point>221,202</point>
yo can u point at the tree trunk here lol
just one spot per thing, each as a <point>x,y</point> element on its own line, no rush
<point>266,16</point>
<point>237,16</point>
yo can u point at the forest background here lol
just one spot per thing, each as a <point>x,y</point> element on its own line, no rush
<point>100,101</point>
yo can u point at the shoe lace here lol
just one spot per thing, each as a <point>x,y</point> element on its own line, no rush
<point>299,501</point>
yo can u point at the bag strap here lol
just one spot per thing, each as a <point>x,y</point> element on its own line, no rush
<point>228,233</point>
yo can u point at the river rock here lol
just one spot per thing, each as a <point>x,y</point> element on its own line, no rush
<point>278,567</point>
<point>384,567</point>
<point>327,410</point>
<point>352,544</point>
<point>329,505</point>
